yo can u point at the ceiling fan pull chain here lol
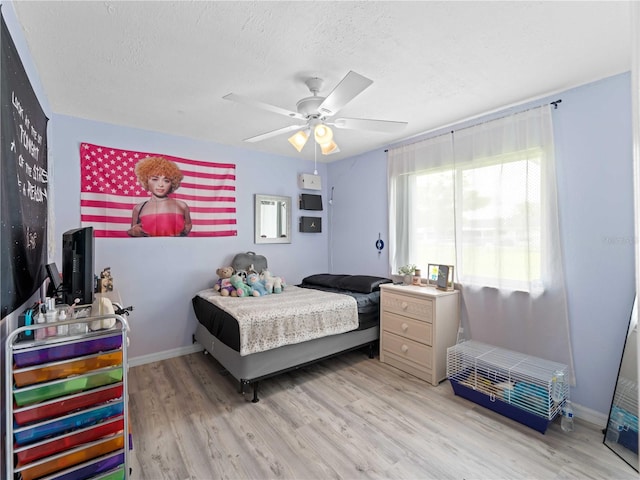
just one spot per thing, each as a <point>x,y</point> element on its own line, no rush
<point>315,158</point>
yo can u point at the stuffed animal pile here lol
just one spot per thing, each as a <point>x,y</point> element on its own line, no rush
<point>232,283</point>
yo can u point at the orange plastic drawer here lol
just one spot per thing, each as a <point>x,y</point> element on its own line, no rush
<point>78,366</point>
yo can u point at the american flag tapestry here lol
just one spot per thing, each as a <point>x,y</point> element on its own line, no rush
<point>136,194</point>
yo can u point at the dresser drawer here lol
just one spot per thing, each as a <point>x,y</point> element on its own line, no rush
<point>418,308</point>
<point>406,349</point>
<point>407,327</point>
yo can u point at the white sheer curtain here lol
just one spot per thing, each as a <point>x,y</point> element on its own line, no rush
<point>484,199</point>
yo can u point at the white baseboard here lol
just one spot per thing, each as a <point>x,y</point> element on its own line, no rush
<point>156,357</point>
<point>589,415</point>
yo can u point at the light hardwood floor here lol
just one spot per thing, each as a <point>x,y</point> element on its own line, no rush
<point>349,417</point>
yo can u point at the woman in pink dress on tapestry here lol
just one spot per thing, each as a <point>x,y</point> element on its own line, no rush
<point>160,216</point>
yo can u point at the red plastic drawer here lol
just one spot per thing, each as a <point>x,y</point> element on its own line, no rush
<point>64,405</point>
<point>58,444</point>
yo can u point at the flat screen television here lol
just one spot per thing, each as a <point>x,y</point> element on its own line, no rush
<point>77,266</point>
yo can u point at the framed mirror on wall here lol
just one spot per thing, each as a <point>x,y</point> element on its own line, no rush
<point>621,434</point>
<point>272,215</point>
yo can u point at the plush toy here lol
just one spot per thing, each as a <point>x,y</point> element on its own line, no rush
<point>242,274</point>
<point>271,283</point>
<point>223,284</point>
<point>257,287</point>
<point>242,289</point>
<point>278,284</point>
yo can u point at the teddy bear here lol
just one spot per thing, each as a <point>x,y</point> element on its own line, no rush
<point>242,289</point>
<point>271,283</point>
<point>223,284</point>
<point>257,287</point>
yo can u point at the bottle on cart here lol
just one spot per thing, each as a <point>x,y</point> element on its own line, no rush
<point>566,423</point>
<point>51,316</point>
<point>41,333</point>
<point>63,330</point>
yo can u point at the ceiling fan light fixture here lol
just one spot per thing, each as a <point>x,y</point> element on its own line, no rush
<point>299,139</point>
<point>329,148</point>
<point>323,134</point>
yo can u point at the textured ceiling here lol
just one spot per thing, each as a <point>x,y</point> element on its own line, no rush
<point>165,66</point>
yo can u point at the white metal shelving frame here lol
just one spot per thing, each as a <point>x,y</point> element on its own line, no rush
<point>15,347</point>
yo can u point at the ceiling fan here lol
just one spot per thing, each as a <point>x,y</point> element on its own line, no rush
<point>317,113</point>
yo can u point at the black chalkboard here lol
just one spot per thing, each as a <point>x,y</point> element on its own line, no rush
<point>23,183</point>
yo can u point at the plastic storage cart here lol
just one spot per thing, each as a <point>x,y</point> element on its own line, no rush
<point>66,401</point>
<point>524,388</point>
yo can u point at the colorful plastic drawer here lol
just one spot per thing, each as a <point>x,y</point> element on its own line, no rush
<point>66,368</point>
<point>55,445</point>
<point>39,355</point>
<point>68,459</point>
<point>64,405</point>
<point>115,475</point>
<point>84,418</point>
<point>109,467</point>
<point>58,388</point>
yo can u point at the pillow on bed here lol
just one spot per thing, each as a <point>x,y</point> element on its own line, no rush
<point>353,283</point>
<point>362,283</point>
<point>324,280</point>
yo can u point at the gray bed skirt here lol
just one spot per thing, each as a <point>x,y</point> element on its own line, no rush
<point>249,368</point>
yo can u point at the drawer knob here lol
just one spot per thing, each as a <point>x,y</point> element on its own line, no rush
<point>404,327</point>
<point>404,305</point>
<point>404,348</point>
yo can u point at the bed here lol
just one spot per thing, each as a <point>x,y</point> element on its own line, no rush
<point>254,338</point>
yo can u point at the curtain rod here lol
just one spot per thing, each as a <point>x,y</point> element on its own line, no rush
<point>554,103</point>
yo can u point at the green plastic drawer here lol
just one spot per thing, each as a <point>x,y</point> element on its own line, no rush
<point>58,388</point>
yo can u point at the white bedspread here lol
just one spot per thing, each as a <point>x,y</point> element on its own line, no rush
<point>293,316</point>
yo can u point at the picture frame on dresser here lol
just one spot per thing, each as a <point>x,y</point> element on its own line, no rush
<point>440,276</point>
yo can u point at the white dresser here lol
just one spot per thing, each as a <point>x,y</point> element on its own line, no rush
<point>417,325</point>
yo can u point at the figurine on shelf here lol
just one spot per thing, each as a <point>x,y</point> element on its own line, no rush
<point>105,281</point>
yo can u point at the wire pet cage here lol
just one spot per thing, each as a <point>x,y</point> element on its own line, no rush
<point>524,388</point>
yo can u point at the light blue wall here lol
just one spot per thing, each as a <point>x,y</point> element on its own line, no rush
<point>358,214</point>
<point>159,276</point>
<point>594,145</point>
<point>592,129</point>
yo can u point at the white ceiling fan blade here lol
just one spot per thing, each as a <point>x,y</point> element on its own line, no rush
<point>386,126</point>
<point>274,133</point>
<point>265,106</point>
<point>349,87</point>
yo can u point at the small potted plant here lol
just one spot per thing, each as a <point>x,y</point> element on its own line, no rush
<point>407,271</point>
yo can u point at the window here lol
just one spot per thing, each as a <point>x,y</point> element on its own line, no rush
<point>481,199</point>
<point>497,209</point>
